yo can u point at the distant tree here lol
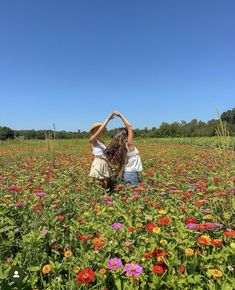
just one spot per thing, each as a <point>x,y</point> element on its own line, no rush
<point>6,133</point>
<point>229,116</point>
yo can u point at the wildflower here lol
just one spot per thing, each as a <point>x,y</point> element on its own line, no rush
<point>230,268</point>
<point>181,268</point>
<point>133,269</point>
<point>163,242</point>
<point>232,245</point>
<point>117,226</point>
<point>40,194</point>
<point>164,221</point>
<point>156,230</point>
<point>97,243</point>
<point>128,244</point>
<point>102,271</point>
<point>203,240</point>
<point>20,203</point>
<point>189,252</point>
<point>190,220</point>
<point>37,208</point>
<point>215,273</point>
<point>68,254</point>
<point>149,227</point>
<point>46,269</point>
<point>60,217</point>
<point>206,211</point>
<point>229,233</point>
<point>85,276</point>
<point>114,264</point>
<point>159,270</point>
<point>192,226</point>
<point>216,243</point>
<point>76,270</point>
<point>162,211</point>
<point>130,229</point>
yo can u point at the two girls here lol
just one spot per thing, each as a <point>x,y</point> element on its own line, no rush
<point>121,154</point>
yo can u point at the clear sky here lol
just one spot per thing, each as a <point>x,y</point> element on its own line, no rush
<point>71,62</point>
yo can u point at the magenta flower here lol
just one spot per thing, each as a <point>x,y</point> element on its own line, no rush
<point>206,211</point>
<point>40,194</point>
<point>192,226</point>
<point>133,269</point>
<point>117,226</point>
<point>20,203</point>
<point>114,264</point>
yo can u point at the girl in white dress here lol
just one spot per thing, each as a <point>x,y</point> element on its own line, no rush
<point>100,168</point>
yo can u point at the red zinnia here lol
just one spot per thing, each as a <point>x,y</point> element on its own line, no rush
<point>60,217</point>
<point>189,220</point>
<point>159,270</point>
<point>182,268</point>
<point>164,221</point>
<point>230,233</point>
<point>131,229</point>
<point>85,276</point>
<point>150,227</point>
<point>216,243</point>
<point>37,208</point>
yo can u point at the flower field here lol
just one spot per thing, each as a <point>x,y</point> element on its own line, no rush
<point>175,231</point>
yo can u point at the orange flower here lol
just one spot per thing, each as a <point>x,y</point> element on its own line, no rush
<point>230,233</point>
<point>164,220</point>
<point>102,271</point>
<point>215,273</point>
<point>97,243</point>
<point>203,240</point>
<point>216,243</point>
<point>46,269</point>
<point>68,254</point>
<point>189,252</point>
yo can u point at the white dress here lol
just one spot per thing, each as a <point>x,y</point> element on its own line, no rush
<point>100,168</point>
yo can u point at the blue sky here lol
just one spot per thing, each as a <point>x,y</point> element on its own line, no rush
<point>71,62</point>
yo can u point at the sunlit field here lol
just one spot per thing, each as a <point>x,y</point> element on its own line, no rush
<point>175,231</point>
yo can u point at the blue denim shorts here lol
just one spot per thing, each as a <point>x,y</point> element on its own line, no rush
<point>131,178</point>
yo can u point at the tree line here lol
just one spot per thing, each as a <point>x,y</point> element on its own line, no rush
<point>194,128</point>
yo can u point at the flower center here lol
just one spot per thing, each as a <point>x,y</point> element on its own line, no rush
<point>133,268</point>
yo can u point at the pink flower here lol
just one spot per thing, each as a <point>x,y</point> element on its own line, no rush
<point>117,226</point>
<point>133,269</point>
<point>40,194</point>
<point>114,264</point>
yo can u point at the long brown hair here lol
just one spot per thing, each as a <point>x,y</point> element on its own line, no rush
<point>117,150</point>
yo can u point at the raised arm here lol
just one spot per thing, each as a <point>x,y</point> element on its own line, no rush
<point>129,129</point>
<point>97,134</point>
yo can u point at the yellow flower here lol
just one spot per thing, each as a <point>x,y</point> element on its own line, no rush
<point>163,242</point>
<point>162,211</point>
<point>215,273</point>
<point>189,252</point>
<point>102,271</point>
<point>46,269</point>
<point>139,225</point>
<point>68,254</point>
<point>209,217</point>
<point>76,270</point>
<point>232,245</point>
<point>156,230</point>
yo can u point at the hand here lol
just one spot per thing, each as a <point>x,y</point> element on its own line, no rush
<point>112,115</point>
<point>117,114</point>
